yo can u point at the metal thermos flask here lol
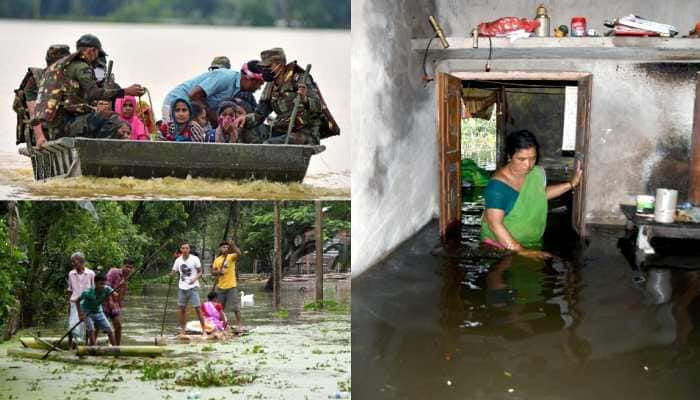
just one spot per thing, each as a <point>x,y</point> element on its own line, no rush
<point>543,19</point>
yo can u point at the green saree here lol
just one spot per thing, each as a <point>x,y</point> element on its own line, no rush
<point>528,218</point>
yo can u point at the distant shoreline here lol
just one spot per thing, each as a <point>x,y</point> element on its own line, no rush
<point>175,21</point>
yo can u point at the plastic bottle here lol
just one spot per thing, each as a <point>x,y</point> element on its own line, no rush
<point>339,395</point>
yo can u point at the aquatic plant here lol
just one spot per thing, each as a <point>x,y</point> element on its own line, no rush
<point>329,306</point>
<point>156,370</point>
<point>208,376</point>
<point>208,348</point>
<point>281,314</point>
<point>256,349</point>
<point>344,386</point>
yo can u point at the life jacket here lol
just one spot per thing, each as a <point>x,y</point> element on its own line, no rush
<point>19,104</point>
<point>59,91</point>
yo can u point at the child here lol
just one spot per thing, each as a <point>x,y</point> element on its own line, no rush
<point>124,131</point>
<point>213,312</point>
<point>181,128</point>
<point>90,309</point>
<point>145,114</point>
<point>200,118</point>
<point>226,132</point>
<point>125,107</point>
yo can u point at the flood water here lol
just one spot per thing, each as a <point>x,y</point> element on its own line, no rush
<point>448,321</point>
<point>160,57</point>
<point>292,355</point>
<point>144,308</point>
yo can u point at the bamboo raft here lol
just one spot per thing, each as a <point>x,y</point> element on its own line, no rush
<point>110,158</point>
<point>38,346</point>
<point>45,343</point>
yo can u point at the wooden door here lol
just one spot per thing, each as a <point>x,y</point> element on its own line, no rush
<point>449,93</point>
<point>583,126</point>
<point>694,189</point>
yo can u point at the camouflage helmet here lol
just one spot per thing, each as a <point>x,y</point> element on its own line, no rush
<point>220,62</point>
<point>56,52</point>
<point>89,40</point>
<point>274,55</point>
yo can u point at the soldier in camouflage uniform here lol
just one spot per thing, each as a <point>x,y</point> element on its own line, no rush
<point>28,91</point>
<point>313,119</point>
<point>66,95</point>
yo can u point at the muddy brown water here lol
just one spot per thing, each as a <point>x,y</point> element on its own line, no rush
<point>442,321</point>
<point>139,52</point>
<point>304,354</point>
<point>145,307</point>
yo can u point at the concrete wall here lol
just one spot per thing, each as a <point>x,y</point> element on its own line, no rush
<point>542,114</point>
<point>641,112</point>
<point>394,183</point>
<point>458,17</point>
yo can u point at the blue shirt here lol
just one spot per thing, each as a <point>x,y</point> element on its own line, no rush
<point>218,85</point>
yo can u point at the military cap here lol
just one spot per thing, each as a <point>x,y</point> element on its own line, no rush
<point>275,55</point>
<point>89,40</point>
<point>56,52</point>
<point>220,62</point>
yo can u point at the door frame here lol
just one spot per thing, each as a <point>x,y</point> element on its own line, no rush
<point>449,112</point>
<point>584,81</point>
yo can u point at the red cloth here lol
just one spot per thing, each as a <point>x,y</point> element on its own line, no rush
<point>114,278</point>
<point>506,25</point>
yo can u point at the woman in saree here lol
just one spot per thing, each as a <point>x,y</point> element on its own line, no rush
<point>516,198</point>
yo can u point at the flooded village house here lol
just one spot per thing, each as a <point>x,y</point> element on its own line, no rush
<point>634,103</point>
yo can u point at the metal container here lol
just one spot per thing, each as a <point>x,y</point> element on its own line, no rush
<point>543,19</point>
<point>578,26</point>
<point>665,205</point>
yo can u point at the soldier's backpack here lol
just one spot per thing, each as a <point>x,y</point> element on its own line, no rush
<point>328,125</point>
<point>57,91</point>
<point>19,105</point>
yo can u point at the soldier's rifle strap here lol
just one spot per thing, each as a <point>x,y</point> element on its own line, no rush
<point>297,104</point>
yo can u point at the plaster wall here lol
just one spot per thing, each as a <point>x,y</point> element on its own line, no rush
<point>540,113</point>
<point>459,17</point>
<point>394,159</point>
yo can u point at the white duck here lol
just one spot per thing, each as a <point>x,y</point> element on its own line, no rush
<point>247,300</point>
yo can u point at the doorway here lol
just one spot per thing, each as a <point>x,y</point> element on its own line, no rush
<point>464,94</point>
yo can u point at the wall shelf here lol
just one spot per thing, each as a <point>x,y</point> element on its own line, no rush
<point>618,48</point>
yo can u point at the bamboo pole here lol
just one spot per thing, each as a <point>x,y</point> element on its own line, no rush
<point>319,254</point>
<point>69,358</point>
<point>124,351</point>
<point>277,268</point>
<point>46,343</point>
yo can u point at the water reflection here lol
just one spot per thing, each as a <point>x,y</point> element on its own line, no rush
<point>450,321</point>
<point>144,308</point>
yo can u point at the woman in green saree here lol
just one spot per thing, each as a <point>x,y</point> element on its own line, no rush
<point>516,198</point>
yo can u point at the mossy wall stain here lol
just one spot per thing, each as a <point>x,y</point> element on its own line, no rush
<point>669,72</point>
<point>672,169</point>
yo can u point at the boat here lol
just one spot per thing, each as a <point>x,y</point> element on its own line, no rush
<point>111,158</point>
